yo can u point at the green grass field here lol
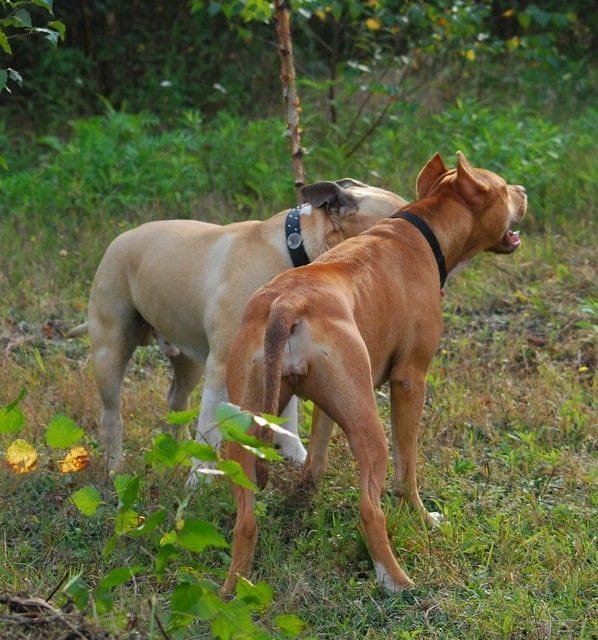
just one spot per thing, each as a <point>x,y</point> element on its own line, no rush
<point>507,448</point>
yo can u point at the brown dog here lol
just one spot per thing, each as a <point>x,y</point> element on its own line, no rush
<point>366,312</point>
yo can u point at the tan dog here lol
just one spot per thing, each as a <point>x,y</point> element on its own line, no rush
<point>366,312</point>
<point>189,281</point>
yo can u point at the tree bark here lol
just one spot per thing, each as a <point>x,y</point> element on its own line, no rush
<point>289,91</point>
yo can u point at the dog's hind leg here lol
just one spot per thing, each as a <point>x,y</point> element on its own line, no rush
<point>113,340</point>
<point>186,375</point>
<point>407,398</point>
<point>349,400</point>
<point>315,465</point>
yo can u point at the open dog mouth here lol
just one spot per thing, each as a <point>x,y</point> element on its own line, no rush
<point>509,243</point>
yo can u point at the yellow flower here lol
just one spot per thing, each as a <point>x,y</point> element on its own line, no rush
<point>373,24</point>
<point>470,55</point>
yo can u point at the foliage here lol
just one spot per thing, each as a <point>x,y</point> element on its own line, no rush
<point>165,535</point>
<point>16,21</point>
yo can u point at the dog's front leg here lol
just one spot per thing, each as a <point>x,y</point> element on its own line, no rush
<point>407,394</point>
<point>291,446</point>
<point>214,392</point>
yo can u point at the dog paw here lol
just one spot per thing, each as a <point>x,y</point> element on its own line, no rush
<point>388,582</point>
<point>296,454</point>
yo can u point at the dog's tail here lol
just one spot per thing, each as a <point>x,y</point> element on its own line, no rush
<point>79,330</point>
<point>278,328</point>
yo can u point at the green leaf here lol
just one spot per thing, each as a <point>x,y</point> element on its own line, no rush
<point>103,594</point>
<point>127,489</point>
<point>199,450</point>
<point>3,163</point>
<point>151,522</point>
<point>196,535</point>
<point>258,596</point>
<point>4,45</point>
<point>49,34</point>
<point>109,546</point>
<point>230,414</point>
<point>290,625</point>
<point>12,419</point>
<point>58,26</point>
<point>87,499</point>
<point>44,4</point>
<point>62,432</point>
<point>23,17</point>
<point>76,589</point>
<point>182,417</point>
<point>236,474</point>
<point>165,451</point>
<point>190,601</point>
<point>167,552</point>
<point>15,76</point>
<point>125,520</point>
<point>118,576</point>
<point>263,452</point>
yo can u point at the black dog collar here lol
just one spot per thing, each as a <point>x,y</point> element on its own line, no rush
<point>294,240</point>
<point>428,234</point>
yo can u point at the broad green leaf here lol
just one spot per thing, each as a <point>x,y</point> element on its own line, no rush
<point>263,452</point>
<point>49,34</point>
<point>58,26</point>
<point>11,420</point>
<point>76,589</point>
<point>236,474</point>
<point>127,489</point>
<point>257,596</point>
<point>4,45</point>
<point>118,576</point>
<point>109,546</point>
<point>87,499</point>
<point>62,432</point>
<point>199,450</point>
<point>151,522</point>
<point>165,451</point>
<point>190,601</point>
<point>290,625</point>
<point>229,414</point>
<point>196,535</point>
<point>125,520</point>
<point>166,553</point>
<point>44,4</point>
<point>22,15</point>
<point>103,593</point>
<point>182,417</point>
<point>3,163</point>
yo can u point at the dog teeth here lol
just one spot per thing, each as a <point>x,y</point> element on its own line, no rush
<point>515,233</point>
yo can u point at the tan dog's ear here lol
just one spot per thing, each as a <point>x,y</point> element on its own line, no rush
<point>434,168</point>
<point>470,187</point>
<point>330,195</point>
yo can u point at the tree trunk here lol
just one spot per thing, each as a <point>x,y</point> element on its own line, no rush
<point>289,91</point>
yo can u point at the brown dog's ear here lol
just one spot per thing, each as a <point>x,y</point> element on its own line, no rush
<point>470,187</point>
<point>434,168</point>
<point>330,195</point>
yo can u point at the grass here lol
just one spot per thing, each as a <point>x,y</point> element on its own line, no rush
<point>506,454</point>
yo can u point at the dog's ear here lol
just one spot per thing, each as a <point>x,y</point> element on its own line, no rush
<point>330,195</point>
<point>350,182</point>
<point>470,187</point>
<point>434,168</point>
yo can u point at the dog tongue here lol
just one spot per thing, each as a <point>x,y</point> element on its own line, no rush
<point>512,238</point>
